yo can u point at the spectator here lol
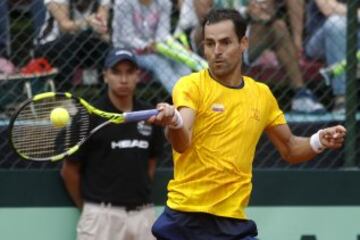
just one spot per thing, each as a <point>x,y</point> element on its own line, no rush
<point>268,31</point>
<point>110,177</point>
<point>37,10</point>
<point>326,27</point>
<point>75,34</point>
<point>187,21</point>
<point>139,24</point>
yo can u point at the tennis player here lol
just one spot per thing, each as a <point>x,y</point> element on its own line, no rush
<point>109,178</point>
<point>214,126</point>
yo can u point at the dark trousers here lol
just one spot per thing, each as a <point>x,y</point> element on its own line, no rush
<point>71,51</point>
<point>176,225</point>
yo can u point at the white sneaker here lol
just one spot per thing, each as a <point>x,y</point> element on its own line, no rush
<point>305,102</point>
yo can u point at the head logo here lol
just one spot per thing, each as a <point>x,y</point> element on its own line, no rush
<point>144,128</point>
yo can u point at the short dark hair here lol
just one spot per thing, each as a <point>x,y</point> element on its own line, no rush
<point>219,15</point>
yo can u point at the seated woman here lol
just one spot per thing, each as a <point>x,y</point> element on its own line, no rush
<point>139,25</point>
<point>74,34</point>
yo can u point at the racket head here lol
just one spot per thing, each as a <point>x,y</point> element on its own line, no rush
<point>33,136</point>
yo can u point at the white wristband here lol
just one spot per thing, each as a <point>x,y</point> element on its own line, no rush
<point>315,142</point>
<point>179,122</point>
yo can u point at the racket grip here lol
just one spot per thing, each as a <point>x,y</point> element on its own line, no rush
<point>140,115</point>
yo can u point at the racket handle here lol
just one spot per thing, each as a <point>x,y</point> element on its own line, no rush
<point>140,115</point>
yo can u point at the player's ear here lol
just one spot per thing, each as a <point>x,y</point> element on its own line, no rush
<point>244,43</point>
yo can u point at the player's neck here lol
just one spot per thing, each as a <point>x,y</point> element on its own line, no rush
<point>233,79</point>
<point>121,103</point>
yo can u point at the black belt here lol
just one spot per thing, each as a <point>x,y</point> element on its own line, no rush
<point>128,206</point>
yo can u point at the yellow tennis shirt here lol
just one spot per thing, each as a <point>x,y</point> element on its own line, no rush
<point>214,174</point>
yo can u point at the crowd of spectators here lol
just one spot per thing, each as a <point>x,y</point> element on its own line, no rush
<point>75,35</point>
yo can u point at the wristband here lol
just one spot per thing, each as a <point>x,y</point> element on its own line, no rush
<point>315,142</point>
<point>179,122</point>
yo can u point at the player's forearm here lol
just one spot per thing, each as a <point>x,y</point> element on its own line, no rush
<point>180,139</point>
<point>299,150</point>
<point>179,124</point>
<point>296,149</point>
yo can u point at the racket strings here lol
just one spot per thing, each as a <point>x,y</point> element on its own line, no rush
<point>34,135</point>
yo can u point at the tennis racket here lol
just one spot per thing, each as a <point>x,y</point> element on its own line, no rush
<point>33,135</point>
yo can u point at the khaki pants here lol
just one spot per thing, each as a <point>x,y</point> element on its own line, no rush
<point>106,222</point>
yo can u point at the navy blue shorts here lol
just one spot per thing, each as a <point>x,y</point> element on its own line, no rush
<point>175,225</point>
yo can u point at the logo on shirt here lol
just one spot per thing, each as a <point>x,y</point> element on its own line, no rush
<point>129,144</point>
<point>255,114</point>
<point>144,128</point>
<point>218,107</point>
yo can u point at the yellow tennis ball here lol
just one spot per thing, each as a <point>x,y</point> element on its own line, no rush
<point>59,117</point>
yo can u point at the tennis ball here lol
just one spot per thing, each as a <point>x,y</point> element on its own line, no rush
<point>59,117</point>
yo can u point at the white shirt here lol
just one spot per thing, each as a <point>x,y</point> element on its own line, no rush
<point>55,30</point>
<point>187,18</point>
<point>136,25</point>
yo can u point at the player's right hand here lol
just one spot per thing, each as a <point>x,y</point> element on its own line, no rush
<point>166,115</point>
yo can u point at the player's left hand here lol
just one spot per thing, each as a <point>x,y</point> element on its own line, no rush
<point>333,137</point>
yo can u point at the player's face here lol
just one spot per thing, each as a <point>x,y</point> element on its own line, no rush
<point>122,78</point>
<point>222,48</point>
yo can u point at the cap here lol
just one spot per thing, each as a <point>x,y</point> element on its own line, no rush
<point>117,55</point>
